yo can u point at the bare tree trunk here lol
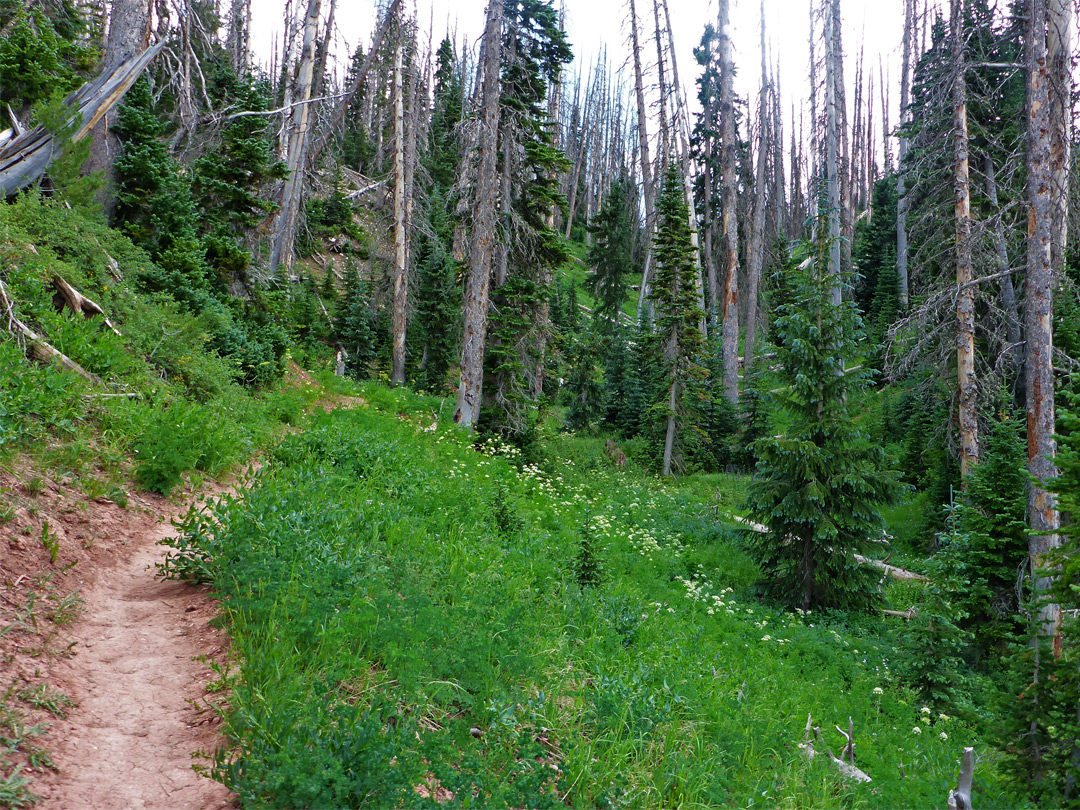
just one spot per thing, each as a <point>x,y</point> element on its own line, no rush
<point>289,215</point>
<point>478,281</point>
<point>1038,308</point>
<point>669,434</point>
<point>646,162</point>
<point>236,42</point>
<point>755,258</point>
<point>729,306</point>
<point>902,202</point>
<point>886,139</point>
<point>780,201</point>
<point>665,135</point>
<point>397,374</point>
<point>1001,252</point>
<point>1059,52</point>
<point>965,293</point>
<point>832,150</point>
<point>129,35</point>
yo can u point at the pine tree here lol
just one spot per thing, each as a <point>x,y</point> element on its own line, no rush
<point>624,407</point>
<point>677,312</point>
<point>584,384</point>
<point>819,485</point>
<point>438,302</point>
<point>444,154</point>
<point>610,254</point>
<point>354,325</point>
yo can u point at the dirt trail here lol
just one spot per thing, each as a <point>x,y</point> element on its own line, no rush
<point>141,697</point>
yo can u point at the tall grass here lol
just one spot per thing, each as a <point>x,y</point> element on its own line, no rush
<point>398,640</point>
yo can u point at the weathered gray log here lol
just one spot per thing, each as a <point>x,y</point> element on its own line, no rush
<point>25,158</point>
<point>38,347</point>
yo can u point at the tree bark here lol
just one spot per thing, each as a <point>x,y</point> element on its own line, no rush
<point>1059,48</point>
<point>129,35</point>
<point>902,202</point>
<point>756,257</point>
<point>729,300</point>
<point>478,281</point>
<point>965,292</point>
<point>397,374</point>
<point>289,215</point>
<point>1038,308</point>
<point>646,162</point>
<point>832,150</point>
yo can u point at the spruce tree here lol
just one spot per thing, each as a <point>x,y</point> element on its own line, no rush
<point>584,383</point>
<point>610,255</point>
<point>677,312</point>
<point>354,325</point>
<point>820,484</point>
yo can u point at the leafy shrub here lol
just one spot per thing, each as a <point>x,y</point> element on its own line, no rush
<point>181,436</point>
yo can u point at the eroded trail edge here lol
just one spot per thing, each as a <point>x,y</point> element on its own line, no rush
<point>140,680</point>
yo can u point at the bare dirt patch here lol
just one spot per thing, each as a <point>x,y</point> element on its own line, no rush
<point>134,664</point>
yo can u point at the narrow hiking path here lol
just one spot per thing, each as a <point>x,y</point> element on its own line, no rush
<point>140,691</point>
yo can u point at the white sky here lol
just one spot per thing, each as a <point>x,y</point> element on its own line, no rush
<point>872,25</point>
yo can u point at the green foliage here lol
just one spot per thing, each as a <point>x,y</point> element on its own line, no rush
<point>934,642</point>
<point>196,260</point>
<point>181,436</point>
<point>986,546</point>
<point>366,543</point>
<point>584,386</point>
<point>625,396</point>
<point>38,62</point>
<point>444,154</point>
<point>678,317</point>
<point>65,170</point>
<point>819,485</point>
<point>355,325</point>
<point>436,326</point>
<point>587,568</point>
<point>1044,725</point>
<point>610,255</point>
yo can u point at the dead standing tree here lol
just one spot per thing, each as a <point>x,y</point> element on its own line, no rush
<point>965,299</point>
<point>1038,309</point>
<point>482,238</point>
<point>397,376</point>
<point>297,139</point>
<point>729,298</point>
<point>756,255</point>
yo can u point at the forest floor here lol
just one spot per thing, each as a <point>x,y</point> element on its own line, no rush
<point>118,700</point>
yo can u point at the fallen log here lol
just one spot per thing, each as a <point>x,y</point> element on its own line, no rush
<point>895,572</point>
<point>25,157</point>
<point>899,574</point>
<point>846,769</point>
<point>910,613</point>
<point>38,347</point>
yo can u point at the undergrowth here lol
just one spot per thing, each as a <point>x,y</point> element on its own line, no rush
<point>596,641</point>
<point>169,402</point>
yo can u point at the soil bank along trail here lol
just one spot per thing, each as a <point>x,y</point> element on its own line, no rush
<point>141,694</point>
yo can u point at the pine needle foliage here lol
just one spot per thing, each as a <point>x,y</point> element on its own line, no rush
<point>819,485</point>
